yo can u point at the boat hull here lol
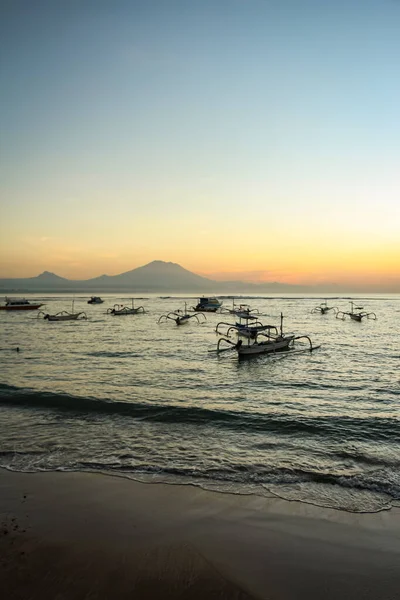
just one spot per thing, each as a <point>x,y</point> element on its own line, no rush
<point>355,317</point>
<point>264,347</point>
<point>22,307</point>
<point>61,318</point>
<point>208,305</point>
<point>182,320</point>
<point>120,313</point>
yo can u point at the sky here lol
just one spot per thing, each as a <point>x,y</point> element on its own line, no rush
<point>252,139</point>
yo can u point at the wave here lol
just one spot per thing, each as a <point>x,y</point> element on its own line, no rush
<point>357,493</point>
<point>340,427</point>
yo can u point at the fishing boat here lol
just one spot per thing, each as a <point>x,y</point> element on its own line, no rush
<point>121,310</point>
<point>275,341</point>
<point>19,304</point>
<point>210,304</point>
<point>181,317</point>
<point>247,326</point>
<point>355,316</point>
<point>323,308</point>
<point>95,300</point>
<point>239,309</point>
<point>64,315</point>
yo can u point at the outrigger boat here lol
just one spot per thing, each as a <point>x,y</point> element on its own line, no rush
<point>355,316</point>
<point>210,304</point>
<point>239,309</point>
<point>121,310</point>
<point>181,317</point>
<point>95,300</point>
<point>19,304</point>
<point>323,308</point>
<point>275,342</point>
<point>64,315</point>
<point>247,326</point>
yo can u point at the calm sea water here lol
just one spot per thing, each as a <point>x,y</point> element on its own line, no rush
<point>127,396</point>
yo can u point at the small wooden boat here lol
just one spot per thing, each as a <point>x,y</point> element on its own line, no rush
<point>239,309</point>
<point>19,304</point>
<point>323,308</point>
<point>181,317</point>
<point>95,300</point>
<point>247,326</point>
<point>355,316</point>
<point>121,310</point>
<point>64,315</point>
<point>274,342</point>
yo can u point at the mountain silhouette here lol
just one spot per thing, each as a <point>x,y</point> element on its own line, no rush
<point>156,276</point>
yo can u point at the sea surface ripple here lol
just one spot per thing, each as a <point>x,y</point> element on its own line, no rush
<point>131,397</point>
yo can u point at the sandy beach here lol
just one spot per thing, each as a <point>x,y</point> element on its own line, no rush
<point>90,536</point>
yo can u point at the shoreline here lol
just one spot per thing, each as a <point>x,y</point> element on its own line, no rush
<point>269,495</point>
<point>182,541</point>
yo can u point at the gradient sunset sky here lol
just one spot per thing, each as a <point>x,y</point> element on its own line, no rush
<point>252,139</point>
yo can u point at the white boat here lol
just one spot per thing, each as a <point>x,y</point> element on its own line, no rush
<point>274,342</point>
<point>19,304</point>
<point>210,304</point>
<point>271,344</point>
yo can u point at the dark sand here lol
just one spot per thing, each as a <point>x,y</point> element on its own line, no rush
<point>84,536</point>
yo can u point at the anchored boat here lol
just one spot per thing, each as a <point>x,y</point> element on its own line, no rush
<point>210,304</point>
<point>181,317</point>
<point>323,308</point>
<point>64,315</point>
<point>95,300</point>
<point>247,326</point>
<point>121,310</point>
<point>275,341</point>
<point>19,304</point>
<point>355,316</point>
<point>239,309</point>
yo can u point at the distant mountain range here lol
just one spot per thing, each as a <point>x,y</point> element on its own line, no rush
<point>157,276</point>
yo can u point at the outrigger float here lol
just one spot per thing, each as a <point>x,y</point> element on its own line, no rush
<point>181,317</point>
<point>323,308</point>
<point>355,316</point>
<point>121,310</point>
<point>275,341</point>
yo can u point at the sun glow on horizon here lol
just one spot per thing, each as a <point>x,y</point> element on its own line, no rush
<point>240,140</point>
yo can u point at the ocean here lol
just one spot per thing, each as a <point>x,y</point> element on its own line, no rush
<point>130,397</point>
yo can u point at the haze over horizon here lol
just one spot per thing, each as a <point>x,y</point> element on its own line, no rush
<point>252,140</point>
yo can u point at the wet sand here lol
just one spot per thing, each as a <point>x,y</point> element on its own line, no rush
<point>89,536</point>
